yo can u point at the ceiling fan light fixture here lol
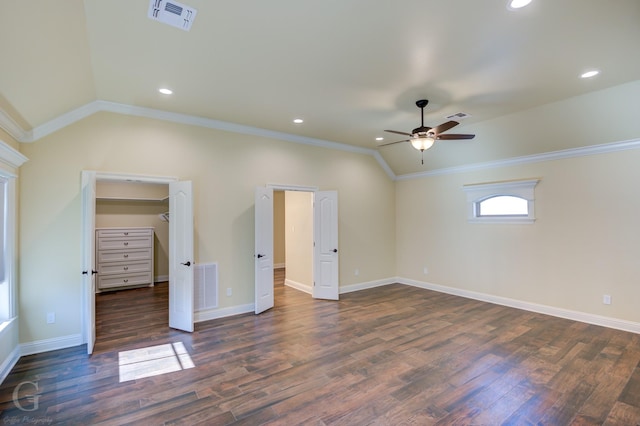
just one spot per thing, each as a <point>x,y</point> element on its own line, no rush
<point>422,142</point>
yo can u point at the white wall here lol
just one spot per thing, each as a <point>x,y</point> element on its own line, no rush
<point>278,230</point>
<point>225,169</point>
<point>586,240</point>
<point>299,237</point>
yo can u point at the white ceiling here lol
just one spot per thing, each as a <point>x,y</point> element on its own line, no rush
<point>349,68</point>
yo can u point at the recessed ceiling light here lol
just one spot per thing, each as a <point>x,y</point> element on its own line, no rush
<point>517,4</point>
<point>298,120</point>
<point>165,91</point>
<point>379,138</point>
<point>590,74</point>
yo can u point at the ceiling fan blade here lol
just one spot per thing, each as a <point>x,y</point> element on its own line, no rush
<point>444,127</point>
<point>392,143</point>
<point>398,133</point>
<point>453,136</point>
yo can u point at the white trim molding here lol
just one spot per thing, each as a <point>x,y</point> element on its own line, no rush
<point>10,126</point>
<point>21,135</point>
<point>53,344</point>
<point>10,156</point>
<point>528,159</point>
<point>212,314</point>
<point>298,286</point>
<point>10,362</point>
<point>367,285</point>
<point>599,320</point>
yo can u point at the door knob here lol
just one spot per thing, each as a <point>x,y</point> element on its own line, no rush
<point>335,250</point>
<point>260,255</point>
<point>187,263</point>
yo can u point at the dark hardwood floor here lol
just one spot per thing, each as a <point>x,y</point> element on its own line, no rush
<point>393,355</point>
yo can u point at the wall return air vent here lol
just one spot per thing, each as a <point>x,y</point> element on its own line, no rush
<point>172,13</point>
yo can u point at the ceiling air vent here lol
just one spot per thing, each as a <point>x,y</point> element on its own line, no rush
<point>172,13</point>
<point>458,116</point>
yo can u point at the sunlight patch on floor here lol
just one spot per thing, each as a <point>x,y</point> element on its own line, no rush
<point>153,361</point>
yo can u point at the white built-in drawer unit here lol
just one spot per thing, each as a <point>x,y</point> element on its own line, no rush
<point>124,257</point>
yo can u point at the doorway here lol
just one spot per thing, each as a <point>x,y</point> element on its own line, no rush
<point>137,205</point>
<point>293,238</point>
<point>180,242</point>
<point>325,245</point>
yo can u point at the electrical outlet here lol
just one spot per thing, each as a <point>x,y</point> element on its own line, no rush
<point>606,299</point>
<point>51,317</point>
<point>229,291</point>
<point>425,270</point>
<point>356,272</point>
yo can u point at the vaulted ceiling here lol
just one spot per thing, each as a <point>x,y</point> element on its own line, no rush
<point>350,69</point>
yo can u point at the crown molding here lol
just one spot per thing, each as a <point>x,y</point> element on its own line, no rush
<point>64,120</point>
<point>10,156</point>
<point>384,165</point>
<point>226,126</point>
<point>105,106</point>
<point>21,135</point>
<point>528,159</point>
<point>10,126</point>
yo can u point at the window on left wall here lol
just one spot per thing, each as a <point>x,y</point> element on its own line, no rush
<point>10,162</point>
<point>5,285</point>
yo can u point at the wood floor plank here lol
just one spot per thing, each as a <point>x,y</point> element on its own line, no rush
<point>385,356</point>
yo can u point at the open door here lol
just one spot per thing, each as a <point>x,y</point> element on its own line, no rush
<point>263,249</point>
<point>181,256</point>
<point>88,200</point>
<point>325,251</point>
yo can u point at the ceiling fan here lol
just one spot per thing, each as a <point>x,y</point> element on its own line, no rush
<point>422,137</point>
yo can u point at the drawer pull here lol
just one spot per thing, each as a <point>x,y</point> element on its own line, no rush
<point>126,233</point>
<point>125,281</point>
<point>126,255</point>
<point>126,243</point>
<point>126,268</point>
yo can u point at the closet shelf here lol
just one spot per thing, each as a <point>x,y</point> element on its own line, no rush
<point>147,200</point>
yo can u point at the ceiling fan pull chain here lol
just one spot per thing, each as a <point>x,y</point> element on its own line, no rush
<point>422,153</point>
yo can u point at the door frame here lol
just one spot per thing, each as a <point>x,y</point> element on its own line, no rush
<point>114,177</point>
<point>302,188</point>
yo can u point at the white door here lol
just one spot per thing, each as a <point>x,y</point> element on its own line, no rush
<point>88,257</point>
<point>263,257</point>
<point>181,256</point>
<point>325,251</point>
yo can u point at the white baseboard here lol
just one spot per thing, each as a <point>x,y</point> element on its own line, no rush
<point>211,314</point>
<point>298,286</point>
<point>9,363</point>
<point>53,344</point>
<point>160,278</point>
<point>600,320</point>
<point>366,285</point>
<point>279,265</point>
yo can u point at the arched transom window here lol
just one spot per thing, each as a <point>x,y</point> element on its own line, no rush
<point>501,202</point>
